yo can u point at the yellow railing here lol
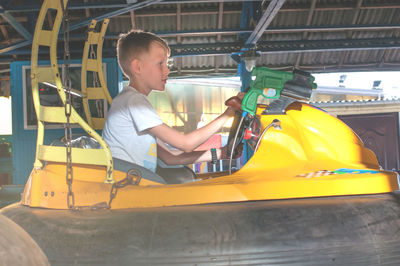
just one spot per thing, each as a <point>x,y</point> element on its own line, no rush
<point>92,61</point>
<point>57,114</point>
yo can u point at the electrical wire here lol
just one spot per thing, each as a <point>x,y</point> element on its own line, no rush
<point>276,124</point>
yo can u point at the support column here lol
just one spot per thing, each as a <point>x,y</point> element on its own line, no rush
<point>250,14</point>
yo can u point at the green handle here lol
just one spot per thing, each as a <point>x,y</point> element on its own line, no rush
<point>249,103</point>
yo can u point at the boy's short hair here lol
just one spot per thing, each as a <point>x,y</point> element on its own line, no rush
<point>134,43</point>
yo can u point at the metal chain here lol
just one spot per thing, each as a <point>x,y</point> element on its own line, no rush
<point>128,180</point>
<point>68,131</point>
<point>68,107</point>
<point>114,189</point>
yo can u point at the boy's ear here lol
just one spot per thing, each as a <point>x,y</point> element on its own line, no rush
<point>135,66</point>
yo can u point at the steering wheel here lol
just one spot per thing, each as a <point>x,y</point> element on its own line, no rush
<point>236,103</point>
<point>249,128</point>
<point>232,134</point>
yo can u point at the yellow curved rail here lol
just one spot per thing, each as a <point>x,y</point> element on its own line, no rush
<point>95,66</point>
<point>57,114</point>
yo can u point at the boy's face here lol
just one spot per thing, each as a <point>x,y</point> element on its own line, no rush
<point>154,69</point>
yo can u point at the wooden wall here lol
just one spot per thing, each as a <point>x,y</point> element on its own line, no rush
<point>380,133</point>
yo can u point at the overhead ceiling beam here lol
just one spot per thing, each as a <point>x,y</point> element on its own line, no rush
<point>87,21</point>
<point>204,1</point>
<point>275,47</point>
<point>269,14</point>
<point>183,33</point>
<point>186,13</point>
<point>111,5</point>
<point>87,11</point>
<point>115,13</point>
<point>13,46</point>
<point>14,23</point>
<point>328,45</point>
<point>132,17</point>
<point>71,6</point>
<point>332,28</point>
<point>266,47</point>
<point>211,32</point>
<point>4,32</point>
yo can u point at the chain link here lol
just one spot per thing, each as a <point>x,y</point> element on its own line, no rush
<point>68,107</point>
<point>128,180</point>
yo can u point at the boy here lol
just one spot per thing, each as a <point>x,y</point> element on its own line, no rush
<point>133,130</point>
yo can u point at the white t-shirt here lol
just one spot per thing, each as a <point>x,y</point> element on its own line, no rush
<point>130,115</point>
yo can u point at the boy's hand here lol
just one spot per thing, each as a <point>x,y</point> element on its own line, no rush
<point>234,104</point>
<point>241,95</point>
<point>236,153</point>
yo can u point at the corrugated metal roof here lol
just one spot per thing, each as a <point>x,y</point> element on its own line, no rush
<point>333,35</point>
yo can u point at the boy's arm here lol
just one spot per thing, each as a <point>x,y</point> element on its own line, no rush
<point>174,157</point>
<point>189,142</point>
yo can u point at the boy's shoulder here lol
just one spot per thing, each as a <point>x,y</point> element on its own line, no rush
<point>128,91</point>
<point>131,95</point>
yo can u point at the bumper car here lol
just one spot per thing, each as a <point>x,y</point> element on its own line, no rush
<point>311,194</point>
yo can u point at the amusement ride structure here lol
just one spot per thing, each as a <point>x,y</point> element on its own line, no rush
<point>311,194</point>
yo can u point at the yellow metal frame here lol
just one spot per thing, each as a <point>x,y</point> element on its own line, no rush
<point>94,65</point>
<point>57,114</point>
